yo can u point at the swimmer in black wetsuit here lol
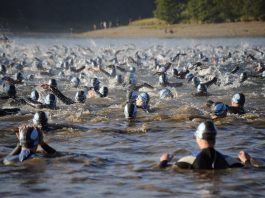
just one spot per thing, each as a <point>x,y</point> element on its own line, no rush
<point>237,104</point>
<point>208,157</point>
<point>163,81</point>
<point>29,138</point>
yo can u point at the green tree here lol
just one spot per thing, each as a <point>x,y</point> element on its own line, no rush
<point>170,10</point>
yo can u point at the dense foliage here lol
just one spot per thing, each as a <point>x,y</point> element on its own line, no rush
<point>209,11</point>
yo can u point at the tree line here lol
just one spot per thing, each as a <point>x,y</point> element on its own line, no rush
<point>209,11</point>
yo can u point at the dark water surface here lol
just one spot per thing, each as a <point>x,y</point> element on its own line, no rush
<point>111,157</point>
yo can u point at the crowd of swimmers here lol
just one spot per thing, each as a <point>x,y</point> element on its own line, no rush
<point>31,138</point>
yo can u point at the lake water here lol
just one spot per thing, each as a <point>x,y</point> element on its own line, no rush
<point>111,157</point>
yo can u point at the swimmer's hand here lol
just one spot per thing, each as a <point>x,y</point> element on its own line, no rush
<point>244,157</point>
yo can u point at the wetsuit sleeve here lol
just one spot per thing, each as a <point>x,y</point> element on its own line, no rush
<point>62,97</point>
<point>16,150</point>
<point>47,148</point>
<point>163,164</point>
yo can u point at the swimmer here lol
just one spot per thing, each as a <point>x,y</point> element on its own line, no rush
<point>96,91</point>
<point>30,137</point>
<point>58,93</point>
<point>163,81</point>
<point>142,101</point>
<point>165,93</point>
<point>130,110</point>
<point>49,102</point>
<point>9,92</point>
<point>208,157</point>
<point>202,88</point>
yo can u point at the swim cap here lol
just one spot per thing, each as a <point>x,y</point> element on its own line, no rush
<point>196,81</point>
<point>132,69</point>
<point>189,76</point>
<point>201,88</point>
<point>243,76</point>
<point>40,118</point>
<point>103,91</point>
<point>53,82</point>
<point>50,100</point>
<point>34,95</point>
<point>95,83</point>
<point>165,93</point>
<point>118,78</point>
<point>130,110</point>
<point>19,76</point>
<point>75,82</point>
<point>220,109</point>
<point>163,78</point>
<point>206,131</point>
<point>239,98</point>
<point>10,90</point>
<point>132,95</point>
<point>29,137</point>
<point>144,97</point>
<point>80,96</point>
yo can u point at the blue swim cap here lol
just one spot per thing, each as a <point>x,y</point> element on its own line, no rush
<point>40,118</point>
<point>220,109</point>
<point>165,93</point>
<point>239,98</point>
<point>29,137</point>
<point>206,131</point>
<point>130,110</point>
<point>144,97</point>
<point>189,76</point>
<point>132,95</point>
<point>80,96</point>
<point>34,95</point>
<point>50,100</point>
<point>75,82</point>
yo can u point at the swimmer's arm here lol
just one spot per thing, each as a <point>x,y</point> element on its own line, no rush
<point>164,160</point>
<point>105,72</point>
<point>121,69</point>
<point>16,150</point>
<point>62,97</point>
<point>47,148</point>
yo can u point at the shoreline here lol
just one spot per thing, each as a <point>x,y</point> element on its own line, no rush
<point>238,29</point>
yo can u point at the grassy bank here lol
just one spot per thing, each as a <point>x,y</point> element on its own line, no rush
<point>157,28</point>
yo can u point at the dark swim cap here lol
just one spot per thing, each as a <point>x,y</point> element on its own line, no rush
<point>40,118</point>
<point>10,90</point>
<point>239,98</point>
<point>130,110</point>
<point>3,69</point>
<point>29,137</point>
<point>104,91</point>
<point>95,83</point>
<point>19,76</point>
<point>206,131</point>
<point>50,100</point>
<point>53,82</point>
<point>34,95</point>
<point>220,109</point>
<point>119,78</point>
<point>80,96</point>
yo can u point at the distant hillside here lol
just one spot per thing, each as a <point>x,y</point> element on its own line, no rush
<point>70,15</point>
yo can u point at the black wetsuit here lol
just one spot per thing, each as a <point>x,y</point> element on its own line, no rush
<point>208,158</point>
<point>236,110</point>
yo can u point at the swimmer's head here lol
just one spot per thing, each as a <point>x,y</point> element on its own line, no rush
<point>143,100</point>
<point>206,131</point>
<point>29,137</point>
<point>220,109</point>
<point>130,110</point>
<point>19,76</point>
<point>3,69</point>
<point>165,93</point>
<point>40,118</point>
<point>80,96</point>
<point>10,90</point>
<point>132,69</point>
<point>34,95</point>
<point>95,83</point>
<point>196,81</point>
<point>243,76</point>
<point>52,82</point>
<point>238,99</point>
<point>104,91</point>
<point>118,79</point>
<point>75,81</point>
<point>201,88</point>
<point>50,100</point>
<point>131,95</point>
<point>189,76</point>
<point>163,78</point>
